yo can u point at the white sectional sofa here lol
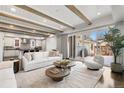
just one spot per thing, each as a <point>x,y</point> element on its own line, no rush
<point>36,60</point>
<point>7,77</point>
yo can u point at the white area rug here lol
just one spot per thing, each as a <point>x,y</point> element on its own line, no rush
<point>80,77</point>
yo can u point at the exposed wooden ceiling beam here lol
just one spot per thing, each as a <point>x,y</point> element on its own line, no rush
<point>26,21</point>
<point>79,13</point>
<point>21,31</point>
<point>31,10</point>
<point>31,29</point>
<point>15,32</point>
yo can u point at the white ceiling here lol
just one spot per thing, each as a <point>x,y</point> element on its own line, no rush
<point>91,11</point>
<point>61,13</point>
<point>29,16</point>
<point>118,12</point>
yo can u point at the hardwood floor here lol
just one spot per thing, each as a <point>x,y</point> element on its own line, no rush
<point>111,80</point>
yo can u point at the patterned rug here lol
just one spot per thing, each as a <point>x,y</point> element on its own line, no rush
<point>80,77</point>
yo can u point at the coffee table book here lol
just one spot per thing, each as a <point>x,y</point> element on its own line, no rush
<point>54,71</point>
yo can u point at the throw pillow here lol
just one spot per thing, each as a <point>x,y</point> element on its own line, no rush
<point>28,56</point>
<point>57,53</point>
<point>52,53</point>
<point>45,54</point>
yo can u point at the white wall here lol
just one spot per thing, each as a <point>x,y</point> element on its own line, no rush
<point>120,26</point>
<point>51,43</point>
<point>1,46</point>
<point>10,41</point>
<point>38,43</point>
<point>43,44</point>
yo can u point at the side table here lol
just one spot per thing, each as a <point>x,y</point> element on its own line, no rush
<point>16,66</point>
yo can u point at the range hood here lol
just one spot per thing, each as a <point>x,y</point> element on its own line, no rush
<point>25,41</point>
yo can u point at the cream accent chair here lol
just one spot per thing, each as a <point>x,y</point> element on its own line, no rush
<point>94,63</point>
<point>7,77</point>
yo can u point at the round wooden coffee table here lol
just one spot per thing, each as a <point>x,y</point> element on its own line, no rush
<point>59,75</point>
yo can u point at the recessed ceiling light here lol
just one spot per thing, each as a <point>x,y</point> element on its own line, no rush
<point>11,26</point>
<point>13,9</point>
<point>98,13</point>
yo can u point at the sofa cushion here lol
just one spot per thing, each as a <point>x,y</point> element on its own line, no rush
<point>40,55</point>
<point>32,62</point>
<point>40,60</point>
<point>37,55</point>
<point>45,54</point>
<point>54,58</point>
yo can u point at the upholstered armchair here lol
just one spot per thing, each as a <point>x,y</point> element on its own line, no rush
<point>94,63</point>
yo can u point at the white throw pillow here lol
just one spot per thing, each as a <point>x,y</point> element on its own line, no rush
<point>28,56</point>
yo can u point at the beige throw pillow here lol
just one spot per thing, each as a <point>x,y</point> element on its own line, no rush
<point>53,53</point>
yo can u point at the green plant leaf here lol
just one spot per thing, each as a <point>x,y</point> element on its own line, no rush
<point>115,40</point>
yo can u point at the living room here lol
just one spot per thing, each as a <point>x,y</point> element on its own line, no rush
<point>61,46</point>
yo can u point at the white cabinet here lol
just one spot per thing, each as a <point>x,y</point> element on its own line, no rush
<point>32,43</point>
<point>12,42</point>
<point>8,53</point>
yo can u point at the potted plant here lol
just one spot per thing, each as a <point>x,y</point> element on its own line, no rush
<point>116,43</point>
